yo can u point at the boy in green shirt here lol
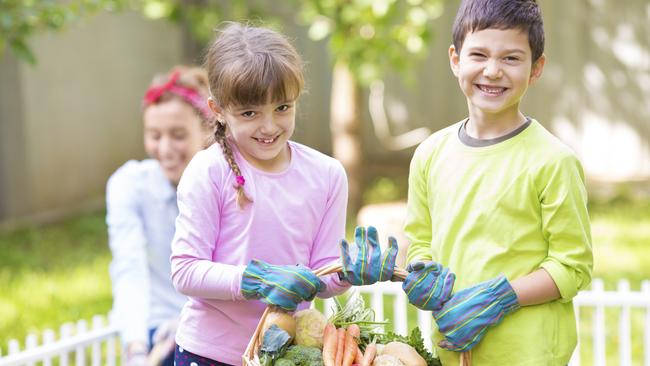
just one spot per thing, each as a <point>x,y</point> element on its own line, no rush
<point>499,204</point>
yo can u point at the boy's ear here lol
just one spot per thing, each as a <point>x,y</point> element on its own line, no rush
<point>218,111</point>
<point>453,59</point>
<point>537,69</point>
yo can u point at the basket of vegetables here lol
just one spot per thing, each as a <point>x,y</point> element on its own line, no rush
<point>350,337</point>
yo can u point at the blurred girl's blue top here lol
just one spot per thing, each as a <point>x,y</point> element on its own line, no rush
<point>141,212</point>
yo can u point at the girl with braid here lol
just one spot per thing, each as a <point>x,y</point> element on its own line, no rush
<point>257,211</point>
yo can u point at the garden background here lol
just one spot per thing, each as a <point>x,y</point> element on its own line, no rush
<point>72,77</point>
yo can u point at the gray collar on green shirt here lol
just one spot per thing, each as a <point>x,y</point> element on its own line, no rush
<point>473,142</point>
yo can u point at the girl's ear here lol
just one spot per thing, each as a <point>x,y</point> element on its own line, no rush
<point>453,59</point>
<point>218,111</point>
<point>536,71</point>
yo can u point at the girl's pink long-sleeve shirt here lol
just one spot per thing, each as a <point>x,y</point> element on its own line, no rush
<point>297,217</point>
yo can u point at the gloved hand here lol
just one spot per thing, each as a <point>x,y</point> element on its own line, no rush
<point>465,318</point>
<point>163,342</point>
<point>284,286</point>
<point>369,265</point>
<point>428,285</point>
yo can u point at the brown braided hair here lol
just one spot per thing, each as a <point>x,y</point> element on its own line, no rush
<point>249,65</point>
<point>220,137</point>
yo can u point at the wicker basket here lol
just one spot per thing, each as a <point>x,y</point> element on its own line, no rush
<point>250,357</point>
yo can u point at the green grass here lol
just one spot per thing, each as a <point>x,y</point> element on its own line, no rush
<point>58,273</point>
<point>51,275</point>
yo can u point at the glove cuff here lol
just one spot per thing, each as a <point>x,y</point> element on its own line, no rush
<point>252,279</point>
<point>505,295</point>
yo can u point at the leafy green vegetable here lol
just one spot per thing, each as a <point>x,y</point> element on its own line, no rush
<point>275,342</point>
<point>416,341</point>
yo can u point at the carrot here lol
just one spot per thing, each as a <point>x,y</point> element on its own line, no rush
<point>369,356</point>
<point>351,346</point>
<point>329,345</point>
<point>354,330</point>
<point>358,357</point>
<point>340,339</point>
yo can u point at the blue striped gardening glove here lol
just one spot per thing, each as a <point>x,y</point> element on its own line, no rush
<point>428,285</point>
<point>370,265</point>
<point>465,318</point>
<point>284,286</point>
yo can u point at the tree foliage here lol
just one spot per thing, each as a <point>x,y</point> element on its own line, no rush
<point>372,36</point>
<point>21,19</point>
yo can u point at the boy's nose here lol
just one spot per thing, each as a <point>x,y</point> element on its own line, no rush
<point>492,71</point>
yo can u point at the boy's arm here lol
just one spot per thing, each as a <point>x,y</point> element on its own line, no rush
<point>535,288</point>
<point>566,228</point>
<point>417,226</point>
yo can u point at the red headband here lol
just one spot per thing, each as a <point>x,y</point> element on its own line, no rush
<point>191,96</point>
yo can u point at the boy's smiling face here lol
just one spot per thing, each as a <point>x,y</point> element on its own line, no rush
<point>494,69</point>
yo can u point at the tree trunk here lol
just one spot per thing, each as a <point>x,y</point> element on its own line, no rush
<point>346,128</point>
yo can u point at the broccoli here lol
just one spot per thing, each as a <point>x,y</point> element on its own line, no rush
<point>283,362</point>
<point>304,356</point>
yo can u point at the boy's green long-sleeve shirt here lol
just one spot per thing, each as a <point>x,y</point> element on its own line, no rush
<point>510,208</point>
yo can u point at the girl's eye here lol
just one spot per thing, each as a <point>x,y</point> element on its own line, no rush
<point>283,108</point>
<point>248,114</point>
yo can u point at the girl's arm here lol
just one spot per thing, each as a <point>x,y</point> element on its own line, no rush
<point>197,228</point>
<point>325,249</point>
<point>535,288</point>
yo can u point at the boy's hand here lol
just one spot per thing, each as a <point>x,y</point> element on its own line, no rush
<point>369,265</point>
<point>428,285</point>
<point>284,286</point>
<point>465,318</point>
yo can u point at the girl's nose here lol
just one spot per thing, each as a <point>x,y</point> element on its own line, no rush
<point>268,124</point>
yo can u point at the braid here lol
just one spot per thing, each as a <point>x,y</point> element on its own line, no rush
<point>220,137</point>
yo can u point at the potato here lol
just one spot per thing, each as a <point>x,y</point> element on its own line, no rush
<point>282,320</point>
<point>407,354</point>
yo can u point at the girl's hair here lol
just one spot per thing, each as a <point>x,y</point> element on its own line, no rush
<point>476,15</point>
<point>250,66</point>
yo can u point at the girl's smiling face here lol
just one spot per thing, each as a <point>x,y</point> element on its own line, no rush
<point>261,132</point>
<point>494,69</point>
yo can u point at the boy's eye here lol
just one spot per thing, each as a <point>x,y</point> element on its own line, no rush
<point>512,58</point>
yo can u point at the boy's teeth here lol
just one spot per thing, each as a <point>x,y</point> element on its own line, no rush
<point>491,90</point>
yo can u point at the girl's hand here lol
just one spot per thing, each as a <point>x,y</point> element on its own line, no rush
<point>465,318</point>
<point>369,265</point>
<point>284,286</point>
<point>428,285</point>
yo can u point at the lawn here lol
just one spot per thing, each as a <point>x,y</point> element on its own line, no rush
<point>58,273</point>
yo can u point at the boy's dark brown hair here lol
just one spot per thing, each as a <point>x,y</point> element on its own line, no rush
<point>476,15</point>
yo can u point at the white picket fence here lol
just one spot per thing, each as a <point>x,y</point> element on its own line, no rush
<point>99,345</point>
